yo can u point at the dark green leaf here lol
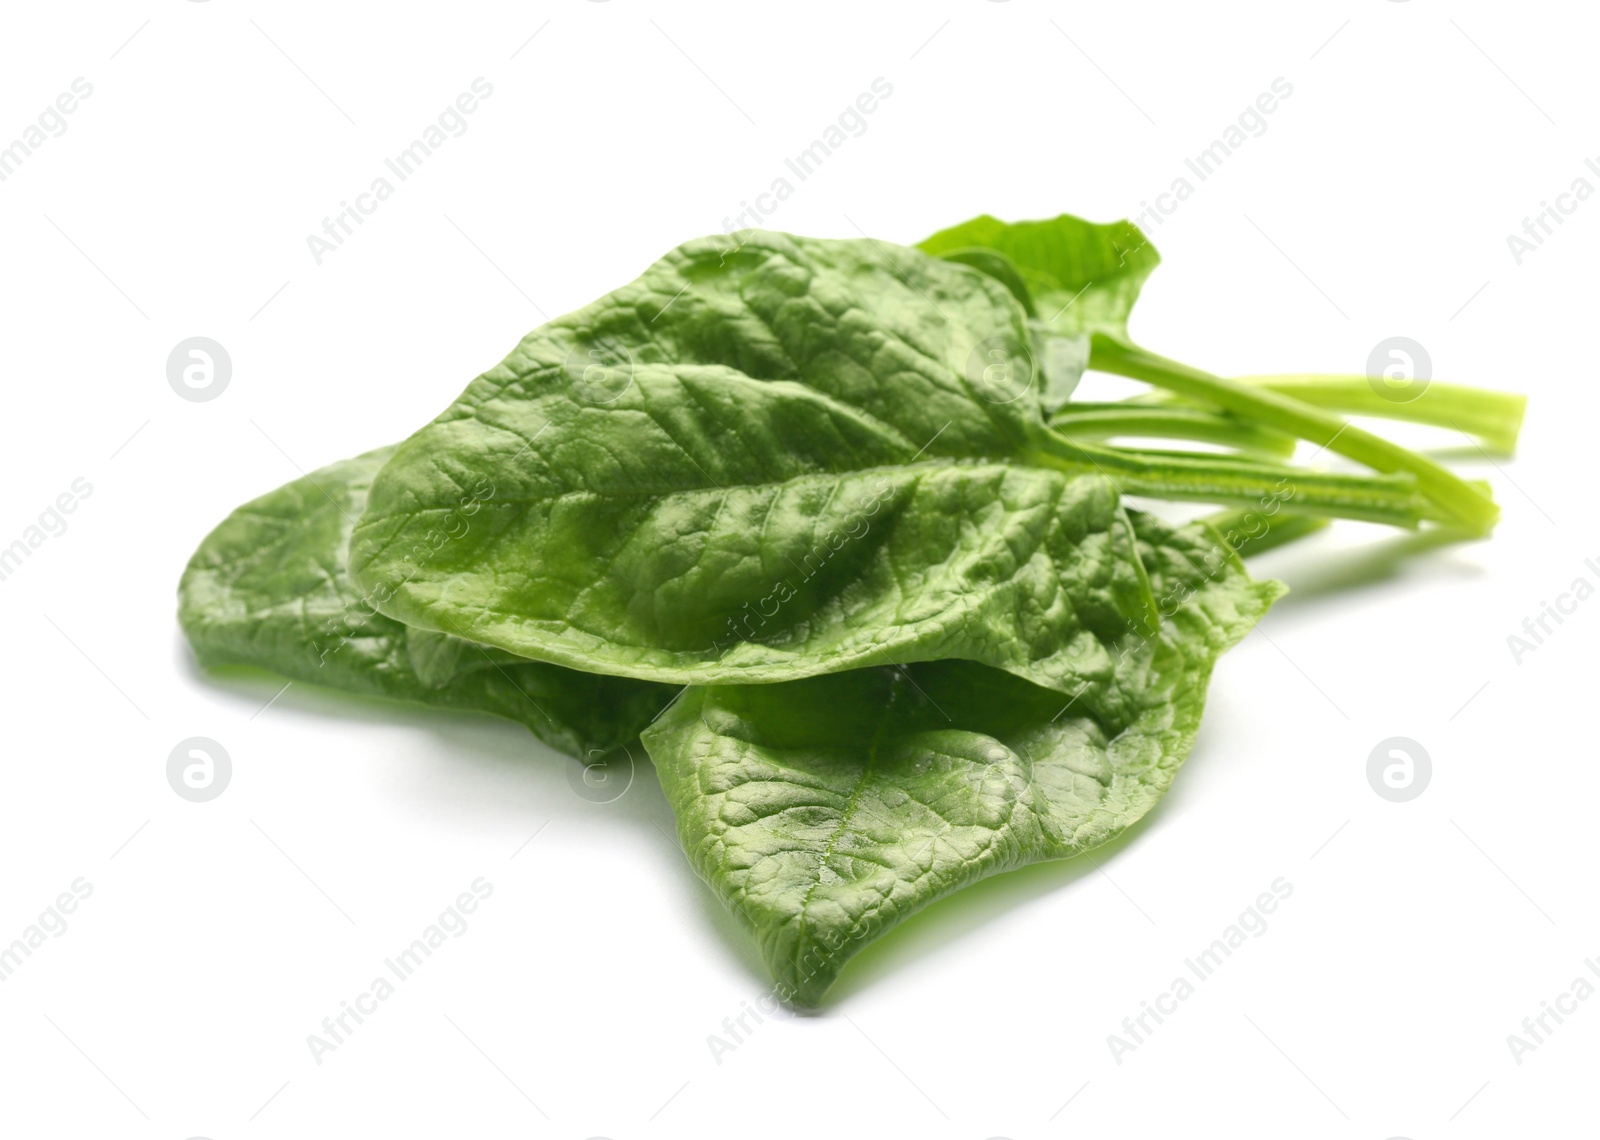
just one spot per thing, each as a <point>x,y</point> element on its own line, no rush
<point>825,811</point>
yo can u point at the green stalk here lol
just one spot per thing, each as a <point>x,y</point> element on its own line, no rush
<point>1392,499</point>
<point>1159,453</point>
<point>1494,417</point>
<point>1455,499</point>
<point>1105,421</point>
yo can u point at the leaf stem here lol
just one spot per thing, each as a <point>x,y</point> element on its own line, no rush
<point>1106,421</point>
<point>1392,499</point>
<point>1456,500</point>
<point>1494,417</point>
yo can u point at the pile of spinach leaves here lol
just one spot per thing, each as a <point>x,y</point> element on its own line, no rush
<point>819,523</point>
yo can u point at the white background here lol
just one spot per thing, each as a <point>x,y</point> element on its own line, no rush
<point>219,935</point>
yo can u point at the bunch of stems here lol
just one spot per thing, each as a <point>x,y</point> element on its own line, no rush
<point>1253,428</point>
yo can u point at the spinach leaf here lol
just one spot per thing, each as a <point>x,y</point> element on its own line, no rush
<point>825,811</point>
<point>268,587</point>
<point>795,457</point>
<point>793,475</point>
<point>1072,277</point>
<point>1081,277</point>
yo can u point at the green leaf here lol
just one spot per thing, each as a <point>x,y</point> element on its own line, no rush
<point>268,587</point>
<point>795,457</point>
<point>1083,277</point>
<point>1000,267</point>
<point>826,811</point>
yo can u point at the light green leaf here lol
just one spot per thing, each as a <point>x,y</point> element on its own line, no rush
<point>1082,277</point>
<point>754,464</point>
<point>1073,277</point>
<point>268,587</point>
<point>826,811</point>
